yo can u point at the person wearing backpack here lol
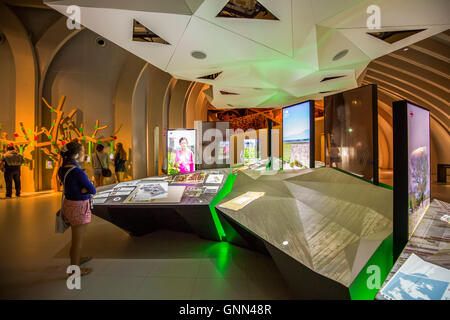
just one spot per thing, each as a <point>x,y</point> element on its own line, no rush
<point>100,163</point>
<point>10,163</point>
<point>76,209</point>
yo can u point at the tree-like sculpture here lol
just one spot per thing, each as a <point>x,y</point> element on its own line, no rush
<point>61,131</point>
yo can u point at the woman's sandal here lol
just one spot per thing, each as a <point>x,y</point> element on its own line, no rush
<point>83,260</point>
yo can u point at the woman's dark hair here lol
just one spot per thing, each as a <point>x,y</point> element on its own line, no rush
<point>99,147</point>
<point>70,149</point>
<point>183,138</point>
<point>120,150</point>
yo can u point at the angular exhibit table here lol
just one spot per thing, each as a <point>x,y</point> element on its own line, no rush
<point>327,231</point>
<point>189,214</point>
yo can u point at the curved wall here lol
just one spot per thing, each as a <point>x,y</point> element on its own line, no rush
<point>7,89</point>
<point>87,75</point>
<point>26,74</point>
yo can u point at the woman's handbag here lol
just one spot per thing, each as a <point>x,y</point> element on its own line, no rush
<point>60,225</point>
<point>105,171</point>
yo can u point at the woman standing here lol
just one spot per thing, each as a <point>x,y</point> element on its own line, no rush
<point>100,161</point>
<point>184,157</point>
<point>119,162</point>
<point>77,191</point>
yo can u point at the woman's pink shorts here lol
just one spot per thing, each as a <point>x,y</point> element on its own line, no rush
<point>76,212</point>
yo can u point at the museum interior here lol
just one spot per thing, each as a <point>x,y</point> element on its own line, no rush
<point>239,149</point>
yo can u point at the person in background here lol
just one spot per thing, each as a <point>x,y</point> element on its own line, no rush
<point>10,163</point>
<point>119,162</point>
<point>335,156</point>
<point>184,157</point>
<point>76,208</point>
<point>100,160</point>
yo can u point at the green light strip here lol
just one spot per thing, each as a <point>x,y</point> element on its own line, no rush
<point>382,260</point>
<point>228,185</point>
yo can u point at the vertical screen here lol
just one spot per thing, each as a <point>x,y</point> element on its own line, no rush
<point>296,136</point>
<point>250,151</point>
<point>418,164</point>
<point>181,151</point>
<point>350,123</point>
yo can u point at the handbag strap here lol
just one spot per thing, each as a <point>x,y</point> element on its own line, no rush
<point>64,185</point>
<point>101,165</point>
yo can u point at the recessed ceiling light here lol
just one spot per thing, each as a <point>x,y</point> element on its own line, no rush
<point>285,243</point>
<point>406,49</point>
<point>340,54</point>
<point>100,41</point>
<point>198,55</point>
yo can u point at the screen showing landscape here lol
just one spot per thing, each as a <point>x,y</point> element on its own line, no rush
<point>418,164</point>
<point>296,136</point>
<point>181,151</point>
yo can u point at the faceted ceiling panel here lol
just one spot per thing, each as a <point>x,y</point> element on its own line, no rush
<point>270,53</point>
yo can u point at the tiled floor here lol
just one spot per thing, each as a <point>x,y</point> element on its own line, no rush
<point>161,265</point>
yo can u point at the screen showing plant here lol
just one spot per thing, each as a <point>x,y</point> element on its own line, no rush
<point>181,150</point>
<point>296,136</point>
<point>418,164</point>
<point>250,150</point>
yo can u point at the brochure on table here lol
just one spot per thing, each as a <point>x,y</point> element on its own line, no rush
<point>163,189</point>
<point>418,280</point>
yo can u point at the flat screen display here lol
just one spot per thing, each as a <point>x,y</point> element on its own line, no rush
<point>250,151</point>
<point>351,132</point>
<point>181,148</point>
<point>296,136</point>
<point>418,164</point>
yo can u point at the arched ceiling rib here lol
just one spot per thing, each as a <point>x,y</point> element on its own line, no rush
<point>420,74</point>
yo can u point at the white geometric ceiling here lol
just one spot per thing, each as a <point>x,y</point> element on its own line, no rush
<point>267,63</point>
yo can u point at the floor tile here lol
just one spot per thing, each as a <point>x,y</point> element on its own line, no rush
<point>129,267</point>
<point>223,267</point>
<point>162,288</point>
<point>175,268</point>
<point>108,287</point>
<point>220,289</point>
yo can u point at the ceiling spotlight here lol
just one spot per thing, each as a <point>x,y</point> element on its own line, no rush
<point>285,243</point>
<point>198,55</point>
<point>340,54</point>
<point>406,49</point>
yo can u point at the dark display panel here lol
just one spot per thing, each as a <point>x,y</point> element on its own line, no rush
<point>215,144</point>
<point>298,136</point>
<point>351,132</point>
<point>411,170</point>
